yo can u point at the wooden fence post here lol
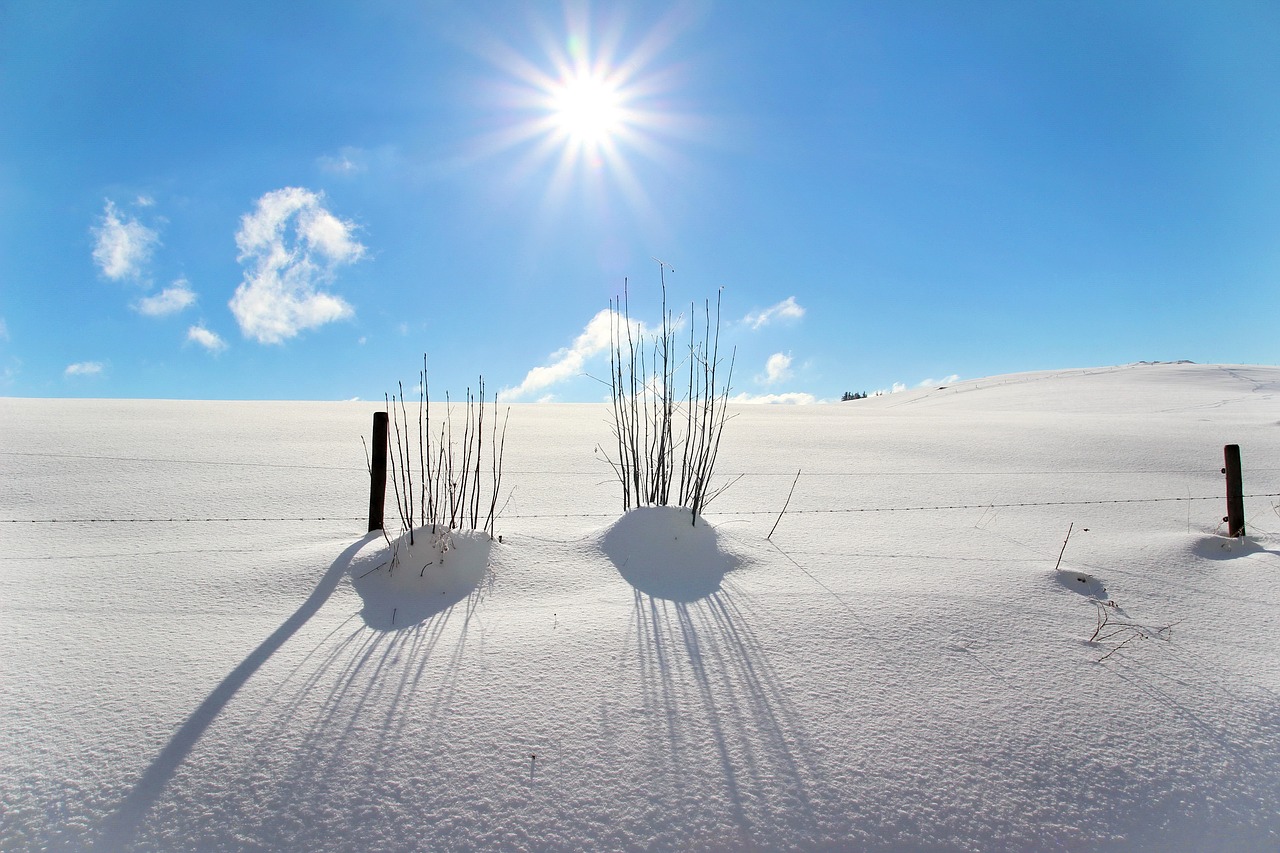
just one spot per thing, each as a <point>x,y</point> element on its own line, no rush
<point>1235,490</point>
<point>378,471</point>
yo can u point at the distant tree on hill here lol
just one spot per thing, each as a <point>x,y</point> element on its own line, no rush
<point>847,396</point>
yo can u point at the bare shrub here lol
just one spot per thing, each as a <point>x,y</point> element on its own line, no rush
<point>442,479</point>
<point>668,414</point>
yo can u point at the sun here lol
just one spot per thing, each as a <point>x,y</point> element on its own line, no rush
<point>588,109</point>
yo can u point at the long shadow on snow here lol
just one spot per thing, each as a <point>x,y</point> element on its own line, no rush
<point>360,690</point>
<point>703,671</point>
<point>120,828</point>
<point>332,720</point>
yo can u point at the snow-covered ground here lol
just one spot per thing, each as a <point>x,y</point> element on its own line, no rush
<point>916,679</point>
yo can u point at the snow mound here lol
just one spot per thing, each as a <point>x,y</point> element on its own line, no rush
<point>1082,582</point>
<point>664,552</point>
<point>1224,548</point>
<point>409,583</point>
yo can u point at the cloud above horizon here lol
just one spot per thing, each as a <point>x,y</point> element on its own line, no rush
<point>348,161</point>
<point>570,362</point>
<point>173,299</point>
<point>83,368</point>
<point>211,341</point>
<point>291,247</point>
<point>787,309</point>
<point>776,369</point>
<point>790,398</point>
<point>122,245</point>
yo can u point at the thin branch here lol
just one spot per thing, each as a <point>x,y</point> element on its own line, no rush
<point>785,504</point>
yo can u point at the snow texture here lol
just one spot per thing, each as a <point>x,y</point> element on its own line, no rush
<point>873,677</point>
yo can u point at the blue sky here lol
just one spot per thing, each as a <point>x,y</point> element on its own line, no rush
<point>272,200</point>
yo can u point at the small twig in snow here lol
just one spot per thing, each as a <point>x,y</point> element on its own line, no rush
<point>374,569</point>
<point>1064,546</point>
<point>785,504</point>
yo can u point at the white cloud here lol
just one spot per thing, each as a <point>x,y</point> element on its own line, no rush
<point>145,201</point>
<point>776,369</point>
<point>897,388</point>
<point>787,309</point>
<point>570,361</point>
<point>930,383</point>
<point>171,300</point>
<point>348,161</point>
<point>207,339</point>
<point>83,368</point>
<point>790,398</point>
<point>290,246</point>
<point>123,245</point>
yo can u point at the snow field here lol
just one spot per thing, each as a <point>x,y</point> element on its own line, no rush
<point>913,680</point>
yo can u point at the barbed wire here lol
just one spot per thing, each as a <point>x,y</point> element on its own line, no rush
<point>169,520</point>
<point>833,511</point>
<point>170,461</point>
<point>608,475</point>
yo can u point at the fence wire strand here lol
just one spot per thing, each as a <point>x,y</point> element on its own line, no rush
<point>835,511</point>
<point>606,473</point>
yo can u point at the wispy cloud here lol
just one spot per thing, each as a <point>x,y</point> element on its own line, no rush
<point>776,369</point>
<point>291,246</point>
<point>122,244</point>
<point>790,398</point>
<point>171,300</point>
<point>896,388</point>
<point>4,330</point>
<point>348,161</point>
<point>787,309</point>
<point>207,339</point>
<point>83,368</point>
<point>899,387</point>
<point>569,362</point>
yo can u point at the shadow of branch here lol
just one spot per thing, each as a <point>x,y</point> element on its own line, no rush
<point>121,826</point>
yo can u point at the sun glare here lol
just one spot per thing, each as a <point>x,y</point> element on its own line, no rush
<point>587,108</point>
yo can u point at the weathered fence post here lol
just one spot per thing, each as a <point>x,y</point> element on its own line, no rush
<point>378,471</point>
<point>1235,490</point>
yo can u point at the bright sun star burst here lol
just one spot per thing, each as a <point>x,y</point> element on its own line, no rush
<point>588,115</point>
<point>587,108</point>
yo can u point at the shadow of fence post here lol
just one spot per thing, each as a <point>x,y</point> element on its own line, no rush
<point>121,827</point>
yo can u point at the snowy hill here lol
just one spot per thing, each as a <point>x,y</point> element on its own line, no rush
<point>900,667</point>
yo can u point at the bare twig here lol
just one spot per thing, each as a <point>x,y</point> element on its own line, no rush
<point>785,504</point>
<point>1064,546</point>
<point>374,569</point>
<point>1108,629</point>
